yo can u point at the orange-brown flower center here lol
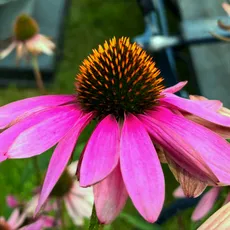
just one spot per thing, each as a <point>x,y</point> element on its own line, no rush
<point>118,78</point>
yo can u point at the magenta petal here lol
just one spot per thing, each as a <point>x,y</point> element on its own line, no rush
<point>11,111</point>
<point>175,88</point>
<point>179,149</point>
<point>38,132</point>
<point>60,159</point>
<point>141,169</point>
<point>197,108</point>
<point>101,153</point>
<point>201,142</point>
<point>205,204</point>
<point>110,196</point>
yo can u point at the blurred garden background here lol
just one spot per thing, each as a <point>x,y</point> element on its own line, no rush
<point>88,24</point>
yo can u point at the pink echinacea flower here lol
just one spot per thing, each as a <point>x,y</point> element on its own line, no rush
<point>119,87</point>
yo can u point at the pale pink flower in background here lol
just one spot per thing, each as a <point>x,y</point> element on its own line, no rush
<point>27,39</point>
<point>78,201</point>
<point>205,204</point>
<point>14,222</point>
<point>118,86</point>
<point>220,220</point>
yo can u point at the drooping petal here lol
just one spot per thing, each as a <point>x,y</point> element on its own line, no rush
<point>38,132</point>
<point>202,144</point>
<point>196,108</point>
<point>214,105</point>
<point>191,186</point>
<point>221,130</point>
<point>205,204</point>
<point>11,111</point>
<point>175,88</point>
<point>141,169</point>
<point>180,151</point>
<point>101,153</point>
<point>110,196</point>
<point>219,220</point>
<point>60,158</point>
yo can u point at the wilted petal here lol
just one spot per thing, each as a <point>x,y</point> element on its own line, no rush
<point>203,144</point>
<point>205,204</point>
<point>180,151</point>
<point>195,108</point>
<point>219,220</point>
<point>141,169</point>
<point>110,196</point>
<point>11,111</point>
<point>38,132</point>
<point>60,159</point>
<point>191,186</point>
<point>101,153</point>
<point>175,88</point>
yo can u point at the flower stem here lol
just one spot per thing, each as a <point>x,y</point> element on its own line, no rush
<point>38,76</point>
<point>94,222</point>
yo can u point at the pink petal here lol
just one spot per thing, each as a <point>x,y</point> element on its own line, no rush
<point>178,193</point>
<point>180,151</point>
<point>205,204</point>
<point>11,111</point>
<point>175,88</point>
<point>38,132</point>
<point>214,105</point>
<point>202,143</point>
<point>110,196</point>
<point>101,153</point>
<point>60,158</point>
<point>196,108</point>
<point>141,169</point>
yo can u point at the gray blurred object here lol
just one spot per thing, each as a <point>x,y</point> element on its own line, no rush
<point>9,10</point>
<point>211,62</point>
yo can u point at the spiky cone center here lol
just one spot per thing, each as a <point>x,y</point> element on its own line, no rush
<point>4,225</point>
<point>118,78</point>
<point>25,27</point>
<point>63,186</point>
